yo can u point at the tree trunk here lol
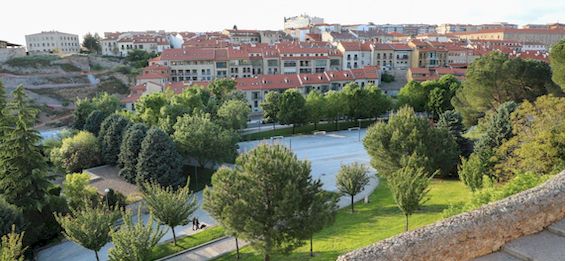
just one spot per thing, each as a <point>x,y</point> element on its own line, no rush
<point>237,249</point>
<point>267,257</point>
<point>173,236</point>
<point>315,125</point>
<point>274,123</point>
<point>337,122</point>
<point>311,245</point>
<point>352,208</point>
<point>96,255</point>
<point>406,223</point>
<point>293,129</point>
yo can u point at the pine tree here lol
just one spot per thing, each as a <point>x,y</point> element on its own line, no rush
<point>170,207</point>
<point>158,159</point>
<point>10,216</point>
<point>93,121</point>
<point>11,247</point>
<point>111,135</point>
<point>134,241</point>
<point>130,148</point>
<point>89,227</point>
<point>352,179</point>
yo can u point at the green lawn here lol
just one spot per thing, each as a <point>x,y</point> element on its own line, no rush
<point>377,220</point>
<point>305,129</point>
<point>199,238</point>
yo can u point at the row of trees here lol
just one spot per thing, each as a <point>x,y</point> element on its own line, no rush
<point>353,102</point>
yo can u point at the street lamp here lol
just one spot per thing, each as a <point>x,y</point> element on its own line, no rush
<point>107,190</point>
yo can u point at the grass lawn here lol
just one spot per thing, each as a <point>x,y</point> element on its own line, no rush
<point>207,235</point>
<point>305,129</point>
<point>372,222</point>
<point>199,180</point>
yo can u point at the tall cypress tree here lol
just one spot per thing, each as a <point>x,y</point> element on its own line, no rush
<point>93,121</point>
<point>130,148</point>
<point>111,136</point>
<point>158,159</point>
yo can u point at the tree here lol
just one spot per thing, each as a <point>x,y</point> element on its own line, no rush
<point>352,179</point>
<point>169,206</point>
<point>315,103</point>
<point>275,190</point>
<point>319,214</point>
<point>336,106</point>
<point>496,78</point>
<point>471,172</point>
<point>83,108</point>
<point>92,43</point>
<point>557,62</point>
<point>78,192</point>
<point>233,114</point>
<point>496,128</point>
<point>354,96</point>
<point>10,217</point>
<point>452,121</point>
<point>405,134</point>
<point>291,108</point>
<point>139,58</point>
<point>538,141</point>
<point>111,135</point>
<point>77,153</point>
<point>158,159</point>
<point>104,102</point>
<point>409,186</point>
<point>414,95</point>
<point>221,87</point>
<point>271,107</point>
<point>376,102</point>
<point>11,247</point>
<point>198,137</point>
<point>134,241</point>
<point>130,149</point>
<point>93,121</point>
<point>89,227</point>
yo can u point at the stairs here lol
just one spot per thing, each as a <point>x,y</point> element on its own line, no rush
<point>547,245</point>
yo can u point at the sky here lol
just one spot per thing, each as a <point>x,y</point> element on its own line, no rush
<point>79,17</point>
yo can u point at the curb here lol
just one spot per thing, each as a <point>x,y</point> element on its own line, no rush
<point>192,248</point>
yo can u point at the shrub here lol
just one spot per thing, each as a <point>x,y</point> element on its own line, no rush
<point>385,77</point>
<point>77,191</point>
<point>77,152</point>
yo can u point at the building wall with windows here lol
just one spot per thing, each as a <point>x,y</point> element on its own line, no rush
<point>52,42</point>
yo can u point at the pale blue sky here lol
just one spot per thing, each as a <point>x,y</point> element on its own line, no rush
<point>25,17</point>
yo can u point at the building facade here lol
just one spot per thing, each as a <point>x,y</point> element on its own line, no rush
<point>52,42</point>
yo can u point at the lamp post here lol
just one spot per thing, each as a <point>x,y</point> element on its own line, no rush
<point>107,190</point>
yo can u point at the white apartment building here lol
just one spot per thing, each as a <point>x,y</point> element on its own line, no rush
<point>301,21</point>
<point>120,44</point>
<point>355,54</point>
<point>52,42</point>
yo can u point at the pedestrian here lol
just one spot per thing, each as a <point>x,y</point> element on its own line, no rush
<point>194,223</point>
<point>197,224</point>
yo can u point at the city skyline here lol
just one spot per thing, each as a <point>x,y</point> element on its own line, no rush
<point>120,16</point>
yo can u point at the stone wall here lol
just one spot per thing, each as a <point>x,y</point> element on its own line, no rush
<point>475,233</point>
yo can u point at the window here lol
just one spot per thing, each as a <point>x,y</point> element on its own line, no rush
<point>290,64</point>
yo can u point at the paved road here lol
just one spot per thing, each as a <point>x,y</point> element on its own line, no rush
<point>326,153</point>
<point>210,251</point>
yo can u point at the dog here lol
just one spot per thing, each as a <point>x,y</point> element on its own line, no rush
<point>202,226</point>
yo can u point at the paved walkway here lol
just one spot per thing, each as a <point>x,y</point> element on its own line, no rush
<point>209,251</point>
<point>547,245</point>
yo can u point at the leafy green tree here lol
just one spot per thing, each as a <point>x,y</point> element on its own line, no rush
<point>92,42</point>
<point>292,108</point>
<point>351,180</point>
<point>78,192</point>
<point>110,136</point>
<point>354,96</point>
<point>557,62</point>
<point>93,121</point>
<point>496,128</point>
<point>405,134</point>
<point>11,247</point>
<point>134,241</point>
<point>538,141</point>
<point>409,186</point>
<point>83,108</point>
<point>77,153</point>
<point>149,107</point>
<point>496,78</point>
<point>376,102</point>
<point>4,120</point>
<point>188,102</point>
<point>104,102</point>
<point>273,186</point>
<point>10,217</point>
<point>169,206</point>
<point>198,137</point>
<point>271,107</point>
<point>315,103</point>
<point>130,149</point>
<point>336,106</point>
<point>158,159</point>
<point>233,114</point>
<point>471,172</point>
<point>320,214</point>
<point>221,87</point>
<point>139,58</point>
<point>414,95</point>
<point>89,227</point>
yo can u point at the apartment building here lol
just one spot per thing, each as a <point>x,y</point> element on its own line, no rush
<point>458,28</point>
<point>120,44</point>
<point>355,54</point>
<point>242,36</point>
<point>300,21</point>
<point>424,54</point>
<point>393,59</point>
<point>544,36</point>
<point>425,74</point>
<point>52,42</point>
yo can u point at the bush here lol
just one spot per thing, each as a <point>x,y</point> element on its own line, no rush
<point>77,153</point>
<point>114,199</point>
<point>35,61</point>
<point>9,215</point>
<point>69,67</point>
<point>77,191</point>
<point>385,77</point>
